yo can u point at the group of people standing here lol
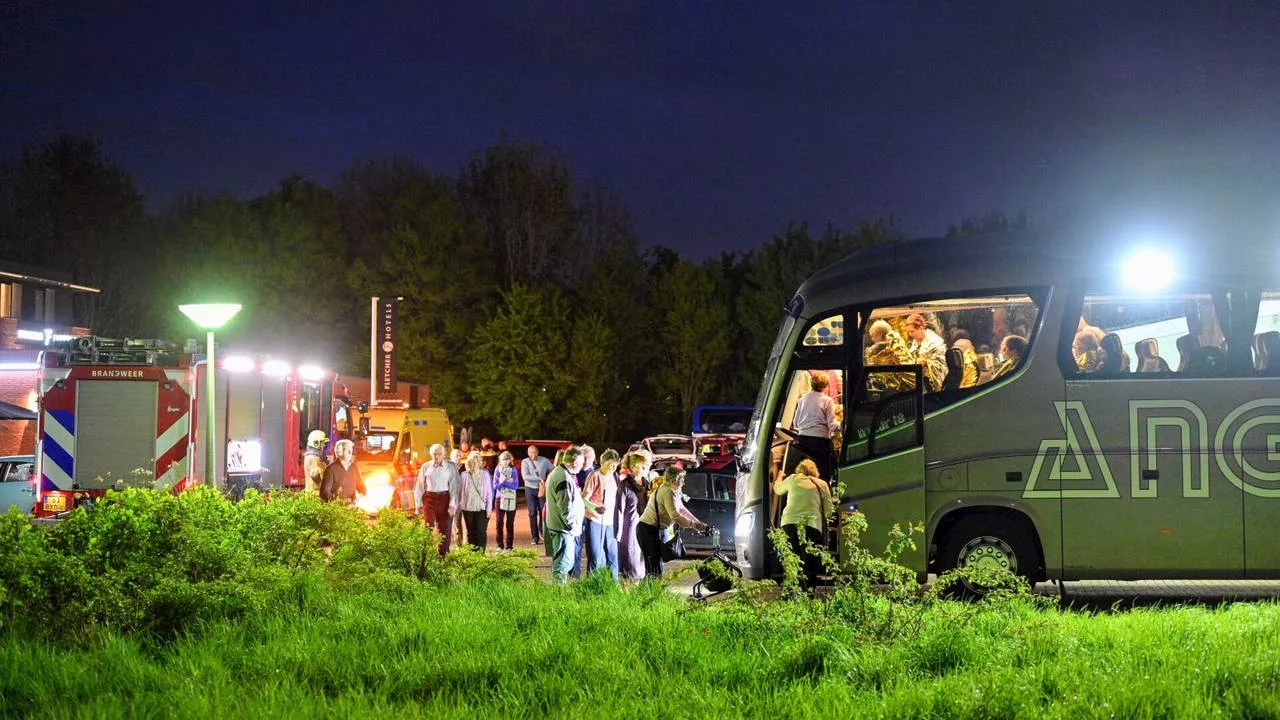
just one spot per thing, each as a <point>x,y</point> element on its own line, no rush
<point>615,513</point>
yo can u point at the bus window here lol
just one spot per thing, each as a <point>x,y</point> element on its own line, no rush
<point>961,343</point>
<point>1266,336</point>
<point>827,332</point>
<point>1145,337</point>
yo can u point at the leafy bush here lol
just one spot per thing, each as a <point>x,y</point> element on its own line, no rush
<point>147,562</point>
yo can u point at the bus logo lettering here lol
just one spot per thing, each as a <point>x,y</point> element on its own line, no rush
<point>1068,463</point>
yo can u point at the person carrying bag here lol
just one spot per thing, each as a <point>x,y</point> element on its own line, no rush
<point>664,511</point>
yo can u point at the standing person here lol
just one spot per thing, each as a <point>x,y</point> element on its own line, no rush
<point>476,500</point>
<point>506,486</point>
<point>588,467</point>
<point>534,470</point>
<point>341,480</point>
<point>632,494</point>
<point>458,526</point>
<point>542,494</point>
<point>600,496</point>
<point>815,423</point>
<point>565,512</point>
<point>436,492</point>
<point>489,454</point>
<point>807,509</point>
<point>664,511</point>
<point>313,460</point>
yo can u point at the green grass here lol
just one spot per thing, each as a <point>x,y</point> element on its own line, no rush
<point>503,649</point>
<point>192,606</point>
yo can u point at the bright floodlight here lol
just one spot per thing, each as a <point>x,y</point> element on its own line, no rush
<point>276,367</point>
<point>1148,270</point>
<point>210,316</point>
<point>238,363</point>
<point>311,373</point>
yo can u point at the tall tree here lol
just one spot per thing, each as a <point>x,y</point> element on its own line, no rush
<point>695,337</point>
<point>411,240</point>
<point>71,209</point>
<point>521,193</point>
<point>518,362</point>
<point>594,390</point>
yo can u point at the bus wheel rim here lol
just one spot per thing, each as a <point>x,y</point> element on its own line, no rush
<point>988,551</point>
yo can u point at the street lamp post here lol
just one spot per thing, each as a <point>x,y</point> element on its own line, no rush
<point>210,317</point>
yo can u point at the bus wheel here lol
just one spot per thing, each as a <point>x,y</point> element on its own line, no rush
<point>985,542</point>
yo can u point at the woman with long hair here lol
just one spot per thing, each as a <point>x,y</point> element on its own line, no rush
<point>664,511</point>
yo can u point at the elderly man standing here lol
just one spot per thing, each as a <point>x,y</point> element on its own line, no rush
<point>534,470</point>
<point>436,493</point>
<point>341,480</point>
<point>565,512</point>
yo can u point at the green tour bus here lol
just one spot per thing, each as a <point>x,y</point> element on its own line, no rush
<point>1108,413</point>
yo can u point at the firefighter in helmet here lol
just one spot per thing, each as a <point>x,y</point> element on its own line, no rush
<point>313,459</point>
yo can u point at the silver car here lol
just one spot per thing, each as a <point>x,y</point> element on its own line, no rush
<point>16,486</point>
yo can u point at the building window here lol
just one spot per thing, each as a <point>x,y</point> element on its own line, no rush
<point>10,300</point>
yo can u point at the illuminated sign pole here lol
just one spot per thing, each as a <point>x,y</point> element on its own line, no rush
<point>382,341</point>
<point>210,317</point>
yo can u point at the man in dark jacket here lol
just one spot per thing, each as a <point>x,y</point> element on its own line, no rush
<point>342,478</point>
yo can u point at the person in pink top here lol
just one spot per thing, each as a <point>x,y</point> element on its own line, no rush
<point>601,496</point>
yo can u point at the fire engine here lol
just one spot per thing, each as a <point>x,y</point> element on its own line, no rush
<point>128,413</point>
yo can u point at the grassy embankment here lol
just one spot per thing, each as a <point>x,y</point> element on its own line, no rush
<point>376,631</point>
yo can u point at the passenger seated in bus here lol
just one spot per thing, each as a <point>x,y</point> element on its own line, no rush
<point>1088,353</point>
<point>969,364</point>
<point>1116,360</point>
<point>1012,351</point>
<point>1148,354</point>
<point>1269,344</point>
<point>927,349</point>
<point>1187,347</point>
<point>887,348</point>
<point>955,369</point>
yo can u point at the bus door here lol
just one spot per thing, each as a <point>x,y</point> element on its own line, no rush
<point>882,468</point>
<point>1141,493</point>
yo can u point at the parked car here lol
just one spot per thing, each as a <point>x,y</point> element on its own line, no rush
<point>719,453</point>
<point>16,486</point>
<point>667,449</point>
<point>711,498</point>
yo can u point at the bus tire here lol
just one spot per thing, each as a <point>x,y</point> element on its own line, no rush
<point>987,539</point>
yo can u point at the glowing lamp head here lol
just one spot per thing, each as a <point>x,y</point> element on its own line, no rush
<point>1148,270</point>
<point>210,316</point>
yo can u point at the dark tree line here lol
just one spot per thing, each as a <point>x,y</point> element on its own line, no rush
<point>530,306</point>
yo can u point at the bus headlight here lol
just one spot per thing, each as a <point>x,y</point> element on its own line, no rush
<point>745,524</point>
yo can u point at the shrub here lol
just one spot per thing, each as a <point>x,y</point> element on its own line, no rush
<point>146,562</point>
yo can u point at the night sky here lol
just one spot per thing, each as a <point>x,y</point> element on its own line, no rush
<point>717,122</point>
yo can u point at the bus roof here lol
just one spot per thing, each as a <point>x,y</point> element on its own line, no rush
<point>1009,260</point>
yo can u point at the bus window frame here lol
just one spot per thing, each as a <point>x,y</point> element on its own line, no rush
<point>1221,294</point>
<point>933,401</point>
